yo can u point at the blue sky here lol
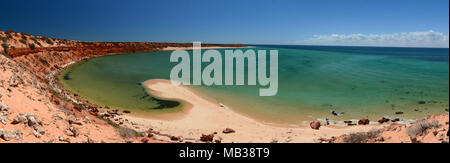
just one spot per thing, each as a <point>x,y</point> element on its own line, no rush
<point>331,22</point>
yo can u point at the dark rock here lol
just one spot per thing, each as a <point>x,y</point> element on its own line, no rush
<point>228,131</point>
<point>75,122</point>
<point>422,102</point>
<point>207,138</point>
<point>126,111</point>
<point>363,121</point>
<point>315,125</point>
<point>398,113</point>
<point>396,120</point>
<point>218,141</point>
<point>174,138</point>
<point>337,113</point>
<point>144,140</point>
<point>383,120</point>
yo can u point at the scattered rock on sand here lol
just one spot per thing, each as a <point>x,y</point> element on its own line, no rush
<point>150,135</point>
<point>144,140</point>
<point>72,131</point>
<point>207,138</point>
<point>71,121</point>
<point>383,120</point>
<point>315,125</point>
<point>19,119</point>
<point>2,119</point>
<point>3,107</point>
<point>228,131</point>
<point>14,81</point>
<point>175,138</point>
<point>12,134</point>
<point>363,121</point>
<point>36,134</point>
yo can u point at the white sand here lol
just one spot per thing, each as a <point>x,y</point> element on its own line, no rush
<point>205,117</point>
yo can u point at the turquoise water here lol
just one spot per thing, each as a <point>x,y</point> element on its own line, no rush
<point>313,81</point>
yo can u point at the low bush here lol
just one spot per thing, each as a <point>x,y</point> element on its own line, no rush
<point>5,47</point>
<point>420,127</point>
<point>128,133</point>
<point>32,46</point>
<point>362,137</point>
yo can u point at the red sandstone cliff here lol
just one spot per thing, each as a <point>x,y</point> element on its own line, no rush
<point>40,55</point>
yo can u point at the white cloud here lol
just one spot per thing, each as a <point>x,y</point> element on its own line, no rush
<point>409,39</point>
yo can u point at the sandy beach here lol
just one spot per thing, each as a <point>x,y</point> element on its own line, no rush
<point>205,117</point>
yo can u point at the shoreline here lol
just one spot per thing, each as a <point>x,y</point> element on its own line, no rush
<point>192,122</point>
<point>201,117</point>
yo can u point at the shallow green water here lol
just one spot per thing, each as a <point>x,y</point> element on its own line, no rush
<point>313,81</point>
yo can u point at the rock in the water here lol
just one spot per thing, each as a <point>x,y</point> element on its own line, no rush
<point>228,131</point>
<point>398,113</point>
<point>337,113</point>
<point>422,102</point>
<point>363,121</point>
<point>315,125</point>
<point>383,120</point>
<point>207,138</point>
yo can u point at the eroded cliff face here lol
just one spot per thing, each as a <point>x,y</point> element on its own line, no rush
<point>40,55</point>
<point>33,109</point>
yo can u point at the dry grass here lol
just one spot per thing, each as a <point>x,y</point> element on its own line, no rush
<point>362,137</point>
<point>421,126</point>
<point>128,133</point>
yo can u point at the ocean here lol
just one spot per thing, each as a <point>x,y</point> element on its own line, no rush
<point>360,82</point>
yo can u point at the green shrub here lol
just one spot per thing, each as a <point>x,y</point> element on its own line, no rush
<point>48,40</point>
<point>24,37</point>
<point>23,41</point>
<point>36,41</point>
<point>128,133</point>
<point>43,61</point>
<point>3,39</point>
<point>32,46</point>
<point>5,47</point>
